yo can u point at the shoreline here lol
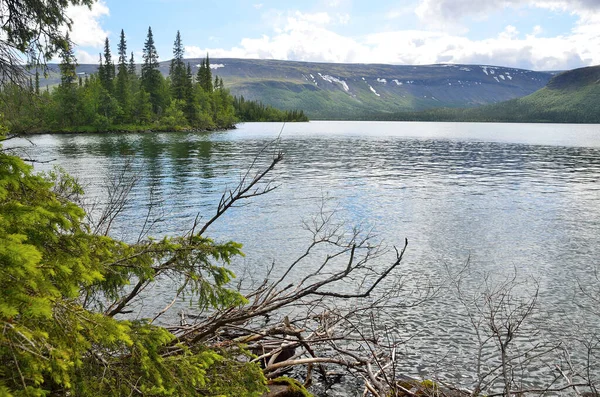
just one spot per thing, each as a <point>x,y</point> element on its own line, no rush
<point>142,129</point>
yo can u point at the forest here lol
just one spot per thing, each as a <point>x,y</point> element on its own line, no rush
<point>118,98</point>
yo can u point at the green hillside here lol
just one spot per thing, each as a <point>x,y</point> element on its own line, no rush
<point>357,91</point>
<point>569,97</point>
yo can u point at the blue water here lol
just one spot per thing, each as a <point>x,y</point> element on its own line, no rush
<point>509,199</point>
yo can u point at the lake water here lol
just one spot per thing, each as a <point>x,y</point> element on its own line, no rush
<point>509,198</point>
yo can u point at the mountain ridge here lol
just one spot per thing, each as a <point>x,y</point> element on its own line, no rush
<point>341,91</point>
<point>569,97</point>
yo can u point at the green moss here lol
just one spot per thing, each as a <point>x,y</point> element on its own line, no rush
<point>295,388</point>
<point>429,384</point>
<point>425,387</point>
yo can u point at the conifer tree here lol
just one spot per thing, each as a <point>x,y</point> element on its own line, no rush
<point>204,76</point>
<point>200,74</point>
<point>67,89</point>
<point>122,49</point>
<point>151,78</point>
<point>190,100</point>
<point>68,65</point>
<point>101,69</point>
<point>131,66</point>
<point>207,84</point>
<point>109,68</point>
<point>178,52</point>
<point>37,82</point>
<point>122,88</point>
<point>177,70</point>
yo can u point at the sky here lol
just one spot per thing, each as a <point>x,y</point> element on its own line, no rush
<point>529,34</point>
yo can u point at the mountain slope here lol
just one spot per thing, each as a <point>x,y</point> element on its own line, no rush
<point>570,97</point>
<point>341,91</point>
<point>348,90</point>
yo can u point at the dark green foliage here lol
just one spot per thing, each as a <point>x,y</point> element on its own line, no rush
<point>60,335</point>
<point>178,72</point>
<point>151,77</point>
<point>204,76</point>
<point>256,111</point>
<point>131,66</point>
<point>68,65</point>
<point>107,78</point>
<point>33,29</point>
<point>123,89</point>
<point>104,102</point>
<point>37,82</point>
<point>67,90</point>
<point>122,49</point>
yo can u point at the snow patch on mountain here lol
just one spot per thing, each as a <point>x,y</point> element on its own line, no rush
<point>397,82</point>
<point>383,81</point>
<point>332,80</point>
<point>373,90</point>
<point>216,66</point>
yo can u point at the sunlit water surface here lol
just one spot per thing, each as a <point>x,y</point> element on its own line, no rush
<point>509,198</point>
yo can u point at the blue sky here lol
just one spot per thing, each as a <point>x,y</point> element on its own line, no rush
<point>532,34</point>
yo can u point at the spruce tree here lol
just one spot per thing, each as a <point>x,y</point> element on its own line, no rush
<point>122,88</point>
<point>200,74</point>
<point>151,78</point>
<point>122,48</point>
<point>178,52</point>
<point>207,80</point>
<point>67,89</point>
<point>190,100</point>
<point>109,68</point>
<point>68,65</point>
<point>101,69</point>
<point>37,82</point>
<point>177,70</point>
<point>131,67</point>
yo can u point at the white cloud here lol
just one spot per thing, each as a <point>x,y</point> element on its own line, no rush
<point>452,11</point>
<point>343,19</point>
<point>311,37</point>
<point>399,12</point>
<point>83,57</point>
<point>86,30</point>
<point>258,6</point>
<point>509,33</point>
<point>537,30</point>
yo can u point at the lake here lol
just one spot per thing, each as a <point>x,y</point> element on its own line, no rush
<point>510,199</point>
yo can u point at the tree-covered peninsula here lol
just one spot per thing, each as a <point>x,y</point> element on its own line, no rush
<point>123,97</point>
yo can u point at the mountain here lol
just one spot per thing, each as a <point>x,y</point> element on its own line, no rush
<point>569,97</point>
<point>333,91</point>
<point>351,91</point>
